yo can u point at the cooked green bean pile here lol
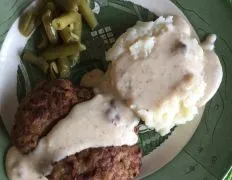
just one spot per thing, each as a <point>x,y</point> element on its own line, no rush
<point>60,44</point>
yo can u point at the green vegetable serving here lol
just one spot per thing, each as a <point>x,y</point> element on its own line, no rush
<point>57,57</point>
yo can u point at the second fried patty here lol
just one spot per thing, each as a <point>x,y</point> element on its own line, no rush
<point>38,112</point>
<point>109,163</point>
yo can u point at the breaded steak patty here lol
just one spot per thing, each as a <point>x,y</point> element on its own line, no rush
<point>42,108</point>
<point>111,163</point>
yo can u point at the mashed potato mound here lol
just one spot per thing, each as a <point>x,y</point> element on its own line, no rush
<point>163,54</point>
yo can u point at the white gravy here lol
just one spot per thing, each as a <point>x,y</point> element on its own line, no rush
<point>100,122</point>
<point>213,69</point>
<point>146,83</point>
<point>164,76</point>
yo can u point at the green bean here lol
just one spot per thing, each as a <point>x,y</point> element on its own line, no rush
<point>70,27</point>
<point>39,8</point>
<point>72,5</point>
<point>74,59</point>
<point>50,31</point>
<point>72,33</point>
<point>64,20</point>
<point>88,13</point>
<point>75,38</point>
<point>60,51</point>
<point>77,26</point>
<point>50,5</point>
<point>52,72</point>
<point>54,66</point>
<point>27,23</point>
<point>64,67</point>
<point>44,41</point>
<point>82,47</point>
<point>35,60</point>
<point>67,36</point>
<point>68,5</point>
<point>36,14</point>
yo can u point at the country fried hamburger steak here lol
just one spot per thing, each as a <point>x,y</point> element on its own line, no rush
<point>42,108</point>
<point>48,103</point>
<point>110,163</point>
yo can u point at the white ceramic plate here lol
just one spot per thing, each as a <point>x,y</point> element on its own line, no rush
<point>10,60</point>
